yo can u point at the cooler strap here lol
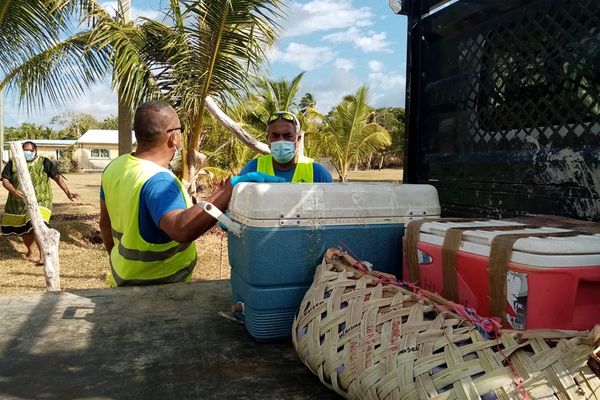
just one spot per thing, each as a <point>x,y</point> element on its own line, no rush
<point>500,253</point>
<point>411,238</point>
<point>452,241</point>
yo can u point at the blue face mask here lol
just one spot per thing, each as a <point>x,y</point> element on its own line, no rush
<point>29,155</point>
<point>283,151</point>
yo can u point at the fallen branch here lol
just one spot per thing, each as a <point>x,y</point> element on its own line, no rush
<point>236,128</point>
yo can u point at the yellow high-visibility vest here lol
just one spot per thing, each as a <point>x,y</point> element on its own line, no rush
<point>133,260</point>
<point>302,174</point>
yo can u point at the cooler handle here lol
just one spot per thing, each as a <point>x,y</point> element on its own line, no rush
<point>214,212</point>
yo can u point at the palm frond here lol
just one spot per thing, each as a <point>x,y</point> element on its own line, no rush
<point>58,74</point>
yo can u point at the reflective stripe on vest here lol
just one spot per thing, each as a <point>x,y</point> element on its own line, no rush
<point>134,260</point>
<point>140,255</point>
<point>302,174</point>
<point>182,275</point>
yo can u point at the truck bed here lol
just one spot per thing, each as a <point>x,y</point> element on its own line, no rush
<point>156,342</point>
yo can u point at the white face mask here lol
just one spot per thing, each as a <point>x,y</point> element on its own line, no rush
<point>29,155</point>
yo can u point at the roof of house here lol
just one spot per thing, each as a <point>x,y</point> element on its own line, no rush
<point>47,142</point>
<point>103,136</point>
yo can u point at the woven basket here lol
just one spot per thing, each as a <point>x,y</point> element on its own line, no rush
<point>368,338</point>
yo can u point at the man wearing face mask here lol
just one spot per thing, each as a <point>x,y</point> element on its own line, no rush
<point>147,220</point>
<point>15,220</point>
<point>283,134</point>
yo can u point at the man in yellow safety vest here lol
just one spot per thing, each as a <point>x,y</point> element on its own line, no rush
<point>147,220</point>
<point>284,135</point>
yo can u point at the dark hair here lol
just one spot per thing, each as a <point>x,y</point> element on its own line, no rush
<point>31,143</point>
<point>149,120</point>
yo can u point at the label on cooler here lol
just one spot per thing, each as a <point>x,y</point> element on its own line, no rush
<point>516,296</point>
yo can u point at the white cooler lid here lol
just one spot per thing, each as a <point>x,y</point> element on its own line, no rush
<point>580,250</point>
<point>337,201</point>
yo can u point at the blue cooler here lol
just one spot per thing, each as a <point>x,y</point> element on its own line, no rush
<point>286,229</point>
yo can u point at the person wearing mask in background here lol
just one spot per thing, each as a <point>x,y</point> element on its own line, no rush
<point>284,135</point>
<point>148,223</point>
<point>15,220</point>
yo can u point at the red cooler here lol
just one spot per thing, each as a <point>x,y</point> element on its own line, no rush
<point>552,281</point>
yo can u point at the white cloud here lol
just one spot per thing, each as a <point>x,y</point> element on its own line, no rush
<point>375,66</point>
<point>304,57</point>
<point>344,63</point>
<point>112,7</point>
<point>99,101</point>
<point>324,15</point>
<point>328,94</point>
<point>368,43</point>
<point>385,88</point>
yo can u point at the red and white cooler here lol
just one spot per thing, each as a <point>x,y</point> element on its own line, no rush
<point>552,274</point>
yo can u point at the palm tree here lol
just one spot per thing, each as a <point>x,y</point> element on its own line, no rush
<point>349,133</point>
<point>279,95</point>
<point>25,25</point>
<point>201,49</point>
<point>306,102</point>
<point>36,62</point>
<point>206,49</point>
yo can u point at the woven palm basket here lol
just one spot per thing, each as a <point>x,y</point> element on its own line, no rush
<point>366,337</point>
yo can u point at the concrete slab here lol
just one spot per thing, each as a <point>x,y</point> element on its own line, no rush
<point>159,342</point>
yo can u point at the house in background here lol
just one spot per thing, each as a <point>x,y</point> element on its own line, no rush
<point>97,147</point>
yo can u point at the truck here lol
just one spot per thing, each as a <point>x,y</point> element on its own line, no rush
<point>503,105</point>
<point>503,118</point>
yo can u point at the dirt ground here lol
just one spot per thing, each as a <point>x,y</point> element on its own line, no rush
<point>83,260</point>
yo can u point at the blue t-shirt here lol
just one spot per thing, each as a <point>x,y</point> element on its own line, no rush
<point>159,196</point>
<point>320,173</point>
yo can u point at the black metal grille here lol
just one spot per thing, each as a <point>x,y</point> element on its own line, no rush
<point>504,105</point>
<point>533,77</point>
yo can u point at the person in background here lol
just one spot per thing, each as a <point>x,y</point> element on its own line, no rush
<point>148,223</point>
<point>15,220</point>
<point>284,135</point>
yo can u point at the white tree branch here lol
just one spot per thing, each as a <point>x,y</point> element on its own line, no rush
<point>234,127</point>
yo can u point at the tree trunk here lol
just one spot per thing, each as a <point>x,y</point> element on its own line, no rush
<point>48,238</point>
<point>124,126</point>
<point>123,111</point>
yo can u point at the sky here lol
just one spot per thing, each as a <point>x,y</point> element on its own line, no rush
<point>340,44</point>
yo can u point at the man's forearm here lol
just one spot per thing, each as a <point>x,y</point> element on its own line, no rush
<point>106,228</point>
<point>187,225</point>
<point>107,239</point>
<point>8,186</point>
<point>63,185</point>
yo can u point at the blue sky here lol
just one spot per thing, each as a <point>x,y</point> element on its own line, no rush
<point>341,44</point>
